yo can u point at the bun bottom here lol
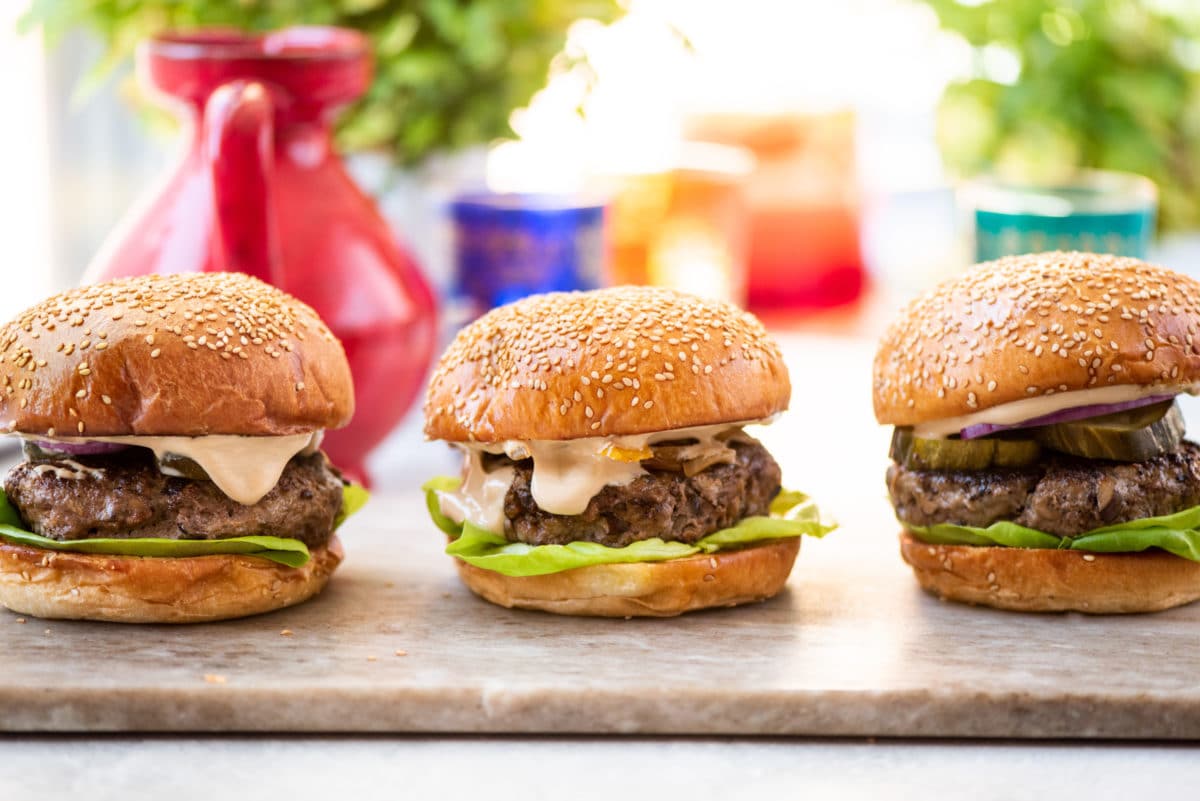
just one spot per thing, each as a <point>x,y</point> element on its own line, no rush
<point>1043,580</point>
<point>140,589</point>
<point>644,589</point>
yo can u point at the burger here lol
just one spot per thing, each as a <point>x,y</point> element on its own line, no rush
<point>606,470</point>
<point>171,428</point>
<point>1038,459</point>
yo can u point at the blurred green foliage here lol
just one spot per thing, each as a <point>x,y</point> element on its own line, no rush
<point>447,72</point>
<point>1113,84</point>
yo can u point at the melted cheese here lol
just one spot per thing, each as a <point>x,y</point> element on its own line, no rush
<point>244,468</point>
<point>68,469</point>
<point>1008,414</point>
<point>567,474</point>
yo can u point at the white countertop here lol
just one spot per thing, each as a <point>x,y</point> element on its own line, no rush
<point>498,769</point>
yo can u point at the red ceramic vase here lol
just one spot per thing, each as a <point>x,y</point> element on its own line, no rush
<point>260,190</point>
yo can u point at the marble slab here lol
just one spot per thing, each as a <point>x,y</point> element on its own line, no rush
<point>851,648</point>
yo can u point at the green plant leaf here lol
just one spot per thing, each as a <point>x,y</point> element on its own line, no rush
<point>436,62</point>
<point>793,514</point>
<point>1100,85</point>
<point>284,550</point>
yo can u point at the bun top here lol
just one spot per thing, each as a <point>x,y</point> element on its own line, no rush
<point>1035,325</point>
<point>612,362</point>
<point>184,355</point>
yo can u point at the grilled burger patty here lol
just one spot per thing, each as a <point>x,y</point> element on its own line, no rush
<point>1061,495</point>
<point>662,503</point>
<point>130,497</point>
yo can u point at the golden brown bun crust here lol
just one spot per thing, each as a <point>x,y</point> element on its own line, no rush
<point>1044,580</point>
<point>645,589</point>
<point>1034,325</point>
<point>627,360</point>
<point>139,356</point>
<point>135,589</point>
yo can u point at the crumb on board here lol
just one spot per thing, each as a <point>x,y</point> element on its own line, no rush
<point>20,620</point>
<point>214,678</point>
<point>286,633</point>
<point>401,652</point>
<point>372,659</point>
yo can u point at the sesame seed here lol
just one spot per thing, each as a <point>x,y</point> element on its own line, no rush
<point>610,339</point>
<point>154,354</point>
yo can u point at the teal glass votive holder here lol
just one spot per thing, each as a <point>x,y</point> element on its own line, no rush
<point>1097,211</point>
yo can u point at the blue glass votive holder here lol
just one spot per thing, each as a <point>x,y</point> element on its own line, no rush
<point>508,246</point>
<point>1098,211</point>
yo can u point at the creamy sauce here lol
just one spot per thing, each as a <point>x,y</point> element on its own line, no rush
<point>1029,408</point>
<point>244,468</point>
<point>567,474</point>
<point>68,469</point>
<point>480,499</point>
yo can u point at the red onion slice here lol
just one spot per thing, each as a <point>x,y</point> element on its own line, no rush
<point>79,448</point>
<point>1062,416</point>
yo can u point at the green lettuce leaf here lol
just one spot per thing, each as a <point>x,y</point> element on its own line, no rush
<point>354,498</point>
<point>792,515</point>
<point>284,550</point>
<point>1177,533</point>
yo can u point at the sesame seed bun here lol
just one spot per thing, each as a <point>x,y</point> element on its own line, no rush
<point>645,589</point>
<point>134,589</point>
<point>1046,580</point>
<point>612,362</point>
<point>183,355</point>
<point>1035,325</point>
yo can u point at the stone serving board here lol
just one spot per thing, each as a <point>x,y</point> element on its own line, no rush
<point>852,647</point>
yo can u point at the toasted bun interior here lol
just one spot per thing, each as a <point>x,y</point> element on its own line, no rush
<point>1033,325</point>
<point>627,360</point>
<point>183,355</point>
<point>1045,580</point>
<point>645,589</point>
<point>135,589</point>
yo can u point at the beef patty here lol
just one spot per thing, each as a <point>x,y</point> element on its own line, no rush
<point>1061,495</point>
<point>661,504</point>
<point>131,498</point>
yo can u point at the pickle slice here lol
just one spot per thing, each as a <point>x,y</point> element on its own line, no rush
<point>951,454</point>
<point>960,454</point>
<point>1015,452</point>
<point>1129,436</point>
<point>902,439</point>
<point>172,464</point>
